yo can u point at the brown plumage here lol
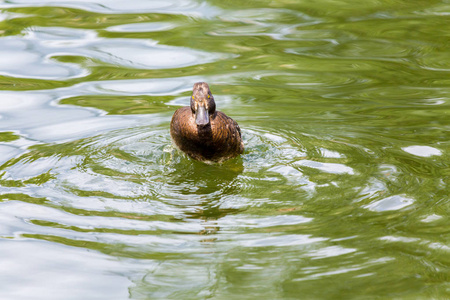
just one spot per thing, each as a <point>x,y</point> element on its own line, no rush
<point>204,133</point>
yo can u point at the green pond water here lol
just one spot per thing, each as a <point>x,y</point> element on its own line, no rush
<point>343,189</point>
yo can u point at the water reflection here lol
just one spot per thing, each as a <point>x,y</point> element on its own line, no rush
<point>123,7</point>
<point>344,178</point>
<point>44,266</point>
<point>17,60</point>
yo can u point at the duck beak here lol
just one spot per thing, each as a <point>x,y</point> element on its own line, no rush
<point>201,116</point>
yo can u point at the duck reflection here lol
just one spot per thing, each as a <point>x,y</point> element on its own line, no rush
<point>209,185</point>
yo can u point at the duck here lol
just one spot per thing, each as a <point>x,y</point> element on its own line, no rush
<point>204,133</point>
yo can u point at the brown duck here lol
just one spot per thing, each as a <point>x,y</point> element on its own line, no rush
<point>204,133</point>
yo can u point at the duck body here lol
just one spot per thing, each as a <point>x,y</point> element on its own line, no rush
<point>202,132</point>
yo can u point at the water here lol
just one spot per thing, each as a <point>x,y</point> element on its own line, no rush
<point>342,192</point>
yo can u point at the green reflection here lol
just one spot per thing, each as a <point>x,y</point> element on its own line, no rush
<point>123,105</point>
<point>8,136</point>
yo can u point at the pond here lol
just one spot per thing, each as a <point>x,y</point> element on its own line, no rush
<point>342,191</point>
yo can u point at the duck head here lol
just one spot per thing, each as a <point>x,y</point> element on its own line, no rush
<point>202,103</point>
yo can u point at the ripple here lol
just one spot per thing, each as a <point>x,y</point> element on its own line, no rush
<point>330,252</point>
<point>152,56</point>
<point>431,218</point>
<point>395,202</point>
<point>259,22</point>
<point>279,241</point>
<point>142,27</point>
<point>8,152</point>
<point>342,270</point>
<point>188,7</point>
<point>136,53</point>
<point>243,222</point>
<point>140,164</point>
<point>327,167</point>
<point>43,265</point>
<point>17,60</point>
<point>30,114</point>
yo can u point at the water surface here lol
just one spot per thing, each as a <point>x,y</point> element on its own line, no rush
<point>342,192</point>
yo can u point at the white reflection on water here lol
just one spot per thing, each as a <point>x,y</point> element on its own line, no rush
<point>142,27</point>
<point>423,151</point>
<point>45,270</point>
<point>153,87</point>
<point>7,152</point>
<point>330,252</point>
<point>17,60</point>
<point>326,167</point>
<point>148,55</point>
<point>30,114</point>
<point>257,240</point>
<point>35,55</point>
<point>186,7</point>
<point>232,222</point>
<point>344,270</point>
<point>40,44</point>
<point>391,203</point>
<point>431,218</point>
